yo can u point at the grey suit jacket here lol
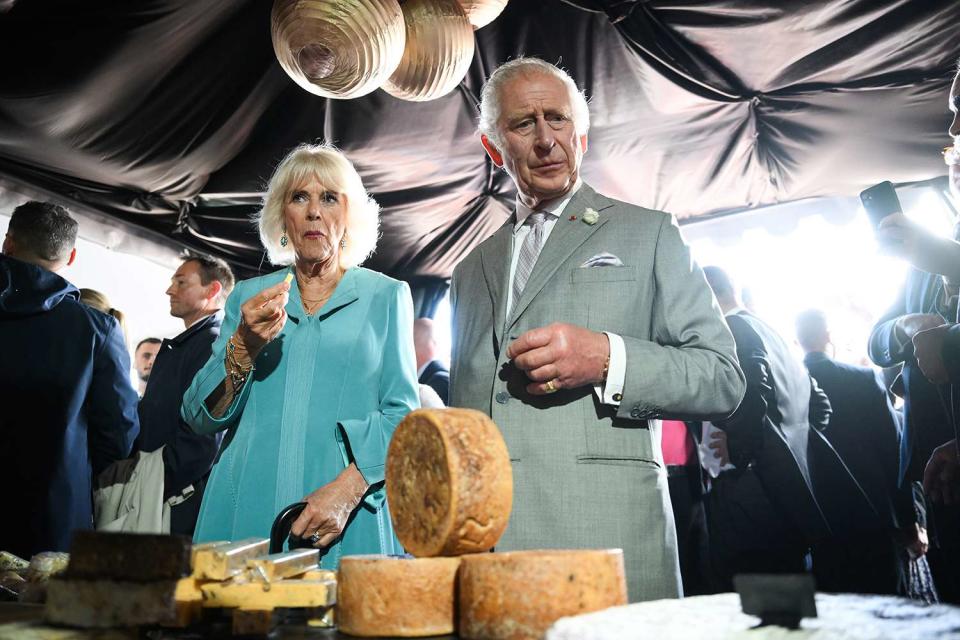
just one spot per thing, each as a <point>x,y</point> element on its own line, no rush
<point>588,475</point>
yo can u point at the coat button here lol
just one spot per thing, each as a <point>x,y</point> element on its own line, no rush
<point>503,397</point>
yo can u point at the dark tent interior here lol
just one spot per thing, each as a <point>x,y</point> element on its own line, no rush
<point>169,115</point>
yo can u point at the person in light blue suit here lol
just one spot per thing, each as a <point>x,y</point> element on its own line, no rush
<point>313,370</point>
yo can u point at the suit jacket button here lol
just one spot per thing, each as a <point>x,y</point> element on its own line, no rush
<point>503,397</point>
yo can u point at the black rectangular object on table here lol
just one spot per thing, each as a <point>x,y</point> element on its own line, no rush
<point>137,557</point>
<point>777,599</point>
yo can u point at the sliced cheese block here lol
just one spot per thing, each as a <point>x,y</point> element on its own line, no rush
<point>517,595</point>
<point>260,595</point>
<point>398,597</point>
<point>449,482</point>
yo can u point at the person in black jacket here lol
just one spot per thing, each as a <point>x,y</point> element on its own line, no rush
<point>197,293</point>
<point>864,431</point>
<point>789,488</point>
<point>69,409</point>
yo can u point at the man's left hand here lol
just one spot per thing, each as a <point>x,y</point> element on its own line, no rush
<point>928,350</point>
<point>560,356</point>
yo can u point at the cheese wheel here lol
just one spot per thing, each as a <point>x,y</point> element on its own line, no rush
<point>399,597</point>
<point>449,482</point>
<point>519,594</point>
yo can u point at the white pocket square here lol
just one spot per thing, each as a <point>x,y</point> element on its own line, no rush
<point>602,260</point>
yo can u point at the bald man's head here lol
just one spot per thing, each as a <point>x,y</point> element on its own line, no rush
<point>423,341</point>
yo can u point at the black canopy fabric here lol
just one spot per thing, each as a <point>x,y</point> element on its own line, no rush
<point>171,114</point>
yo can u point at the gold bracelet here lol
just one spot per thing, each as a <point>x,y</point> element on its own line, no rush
<point>606,369</point>
<point>238,372</point>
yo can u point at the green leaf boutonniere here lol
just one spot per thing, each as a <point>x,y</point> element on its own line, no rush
<point>590,216</point>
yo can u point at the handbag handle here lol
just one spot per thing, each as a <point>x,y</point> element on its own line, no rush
<point>280,531</point>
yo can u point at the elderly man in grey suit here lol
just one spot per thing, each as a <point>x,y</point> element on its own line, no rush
<point>577,325</point>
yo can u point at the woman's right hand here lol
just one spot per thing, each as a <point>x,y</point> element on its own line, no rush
<point>263,317</point>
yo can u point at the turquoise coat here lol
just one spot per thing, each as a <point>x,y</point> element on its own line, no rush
<point>328,391</point>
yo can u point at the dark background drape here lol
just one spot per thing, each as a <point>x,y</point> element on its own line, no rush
<point>170,114</point>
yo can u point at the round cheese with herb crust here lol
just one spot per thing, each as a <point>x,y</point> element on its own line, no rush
<point>449,482</point>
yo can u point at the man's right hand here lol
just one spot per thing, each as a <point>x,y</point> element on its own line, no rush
<point>913,323</point>
<point>263,317</point>
<point>718,442</point>
<point>941,478</point>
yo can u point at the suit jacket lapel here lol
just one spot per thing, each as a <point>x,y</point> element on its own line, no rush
<point>495,259</point>
<point>566,237</point>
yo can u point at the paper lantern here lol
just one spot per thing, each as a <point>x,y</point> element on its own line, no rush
<point>438,50</point>
<point>482,12</point>
<point>338,48</point>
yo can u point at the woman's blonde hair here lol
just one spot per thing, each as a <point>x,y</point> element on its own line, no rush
<point>334,172</point>
<point>99,301</point>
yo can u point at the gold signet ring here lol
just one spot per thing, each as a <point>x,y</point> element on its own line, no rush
<point>550,387</point>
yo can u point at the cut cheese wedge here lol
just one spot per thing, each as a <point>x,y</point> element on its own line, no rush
<point>518,595</point>
<point>381,596</point>
<point>449,482</point>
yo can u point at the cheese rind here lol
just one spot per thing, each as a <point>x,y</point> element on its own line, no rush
<point>449,482</point>
<point>399,597</point>
<point>517,595</point>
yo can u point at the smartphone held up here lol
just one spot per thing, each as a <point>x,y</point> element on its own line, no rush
<point>880,201</point>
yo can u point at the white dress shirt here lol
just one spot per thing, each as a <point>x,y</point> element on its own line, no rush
<point>609,392</point>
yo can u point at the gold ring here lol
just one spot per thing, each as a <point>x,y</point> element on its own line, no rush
<point>550,387</point>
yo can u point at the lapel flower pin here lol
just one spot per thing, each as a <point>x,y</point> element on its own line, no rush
<point>590,216</point>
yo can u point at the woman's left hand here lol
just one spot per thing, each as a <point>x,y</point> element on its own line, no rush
<point>329,507</point>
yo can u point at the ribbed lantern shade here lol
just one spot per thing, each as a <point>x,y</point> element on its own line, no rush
<point>482,12</point>
<point>338,48</point>
<point>438,52</point>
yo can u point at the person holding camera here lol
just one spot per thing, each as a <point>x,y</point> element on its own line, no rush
<point>920,333</point>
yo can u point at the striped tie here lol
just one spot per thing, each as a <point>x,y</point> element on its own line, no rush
<point>528,252</point>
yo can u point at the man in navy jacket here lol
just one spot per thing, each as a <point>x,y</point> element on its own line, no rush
<point>68,407</point>
<point>198,291</point>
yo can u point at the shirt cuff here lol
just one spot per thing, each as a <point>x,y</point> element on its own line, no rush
<point>611,391</point>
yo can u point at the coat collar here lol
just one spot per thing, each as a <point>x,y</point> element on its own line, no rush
<point>214,319</point>
<point>495,261</point>
<point>344,294</point>
<point>816,356</point>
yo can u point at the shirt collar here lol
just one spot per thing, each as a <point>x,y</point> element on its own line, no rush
<point>554,207</point>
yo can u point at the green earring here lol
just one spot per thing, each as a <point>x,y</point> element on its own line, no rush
<point>283,239</point>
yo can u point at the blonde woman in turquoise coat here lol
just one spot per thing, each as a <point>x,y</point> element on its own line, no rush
<point>311,373</point>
